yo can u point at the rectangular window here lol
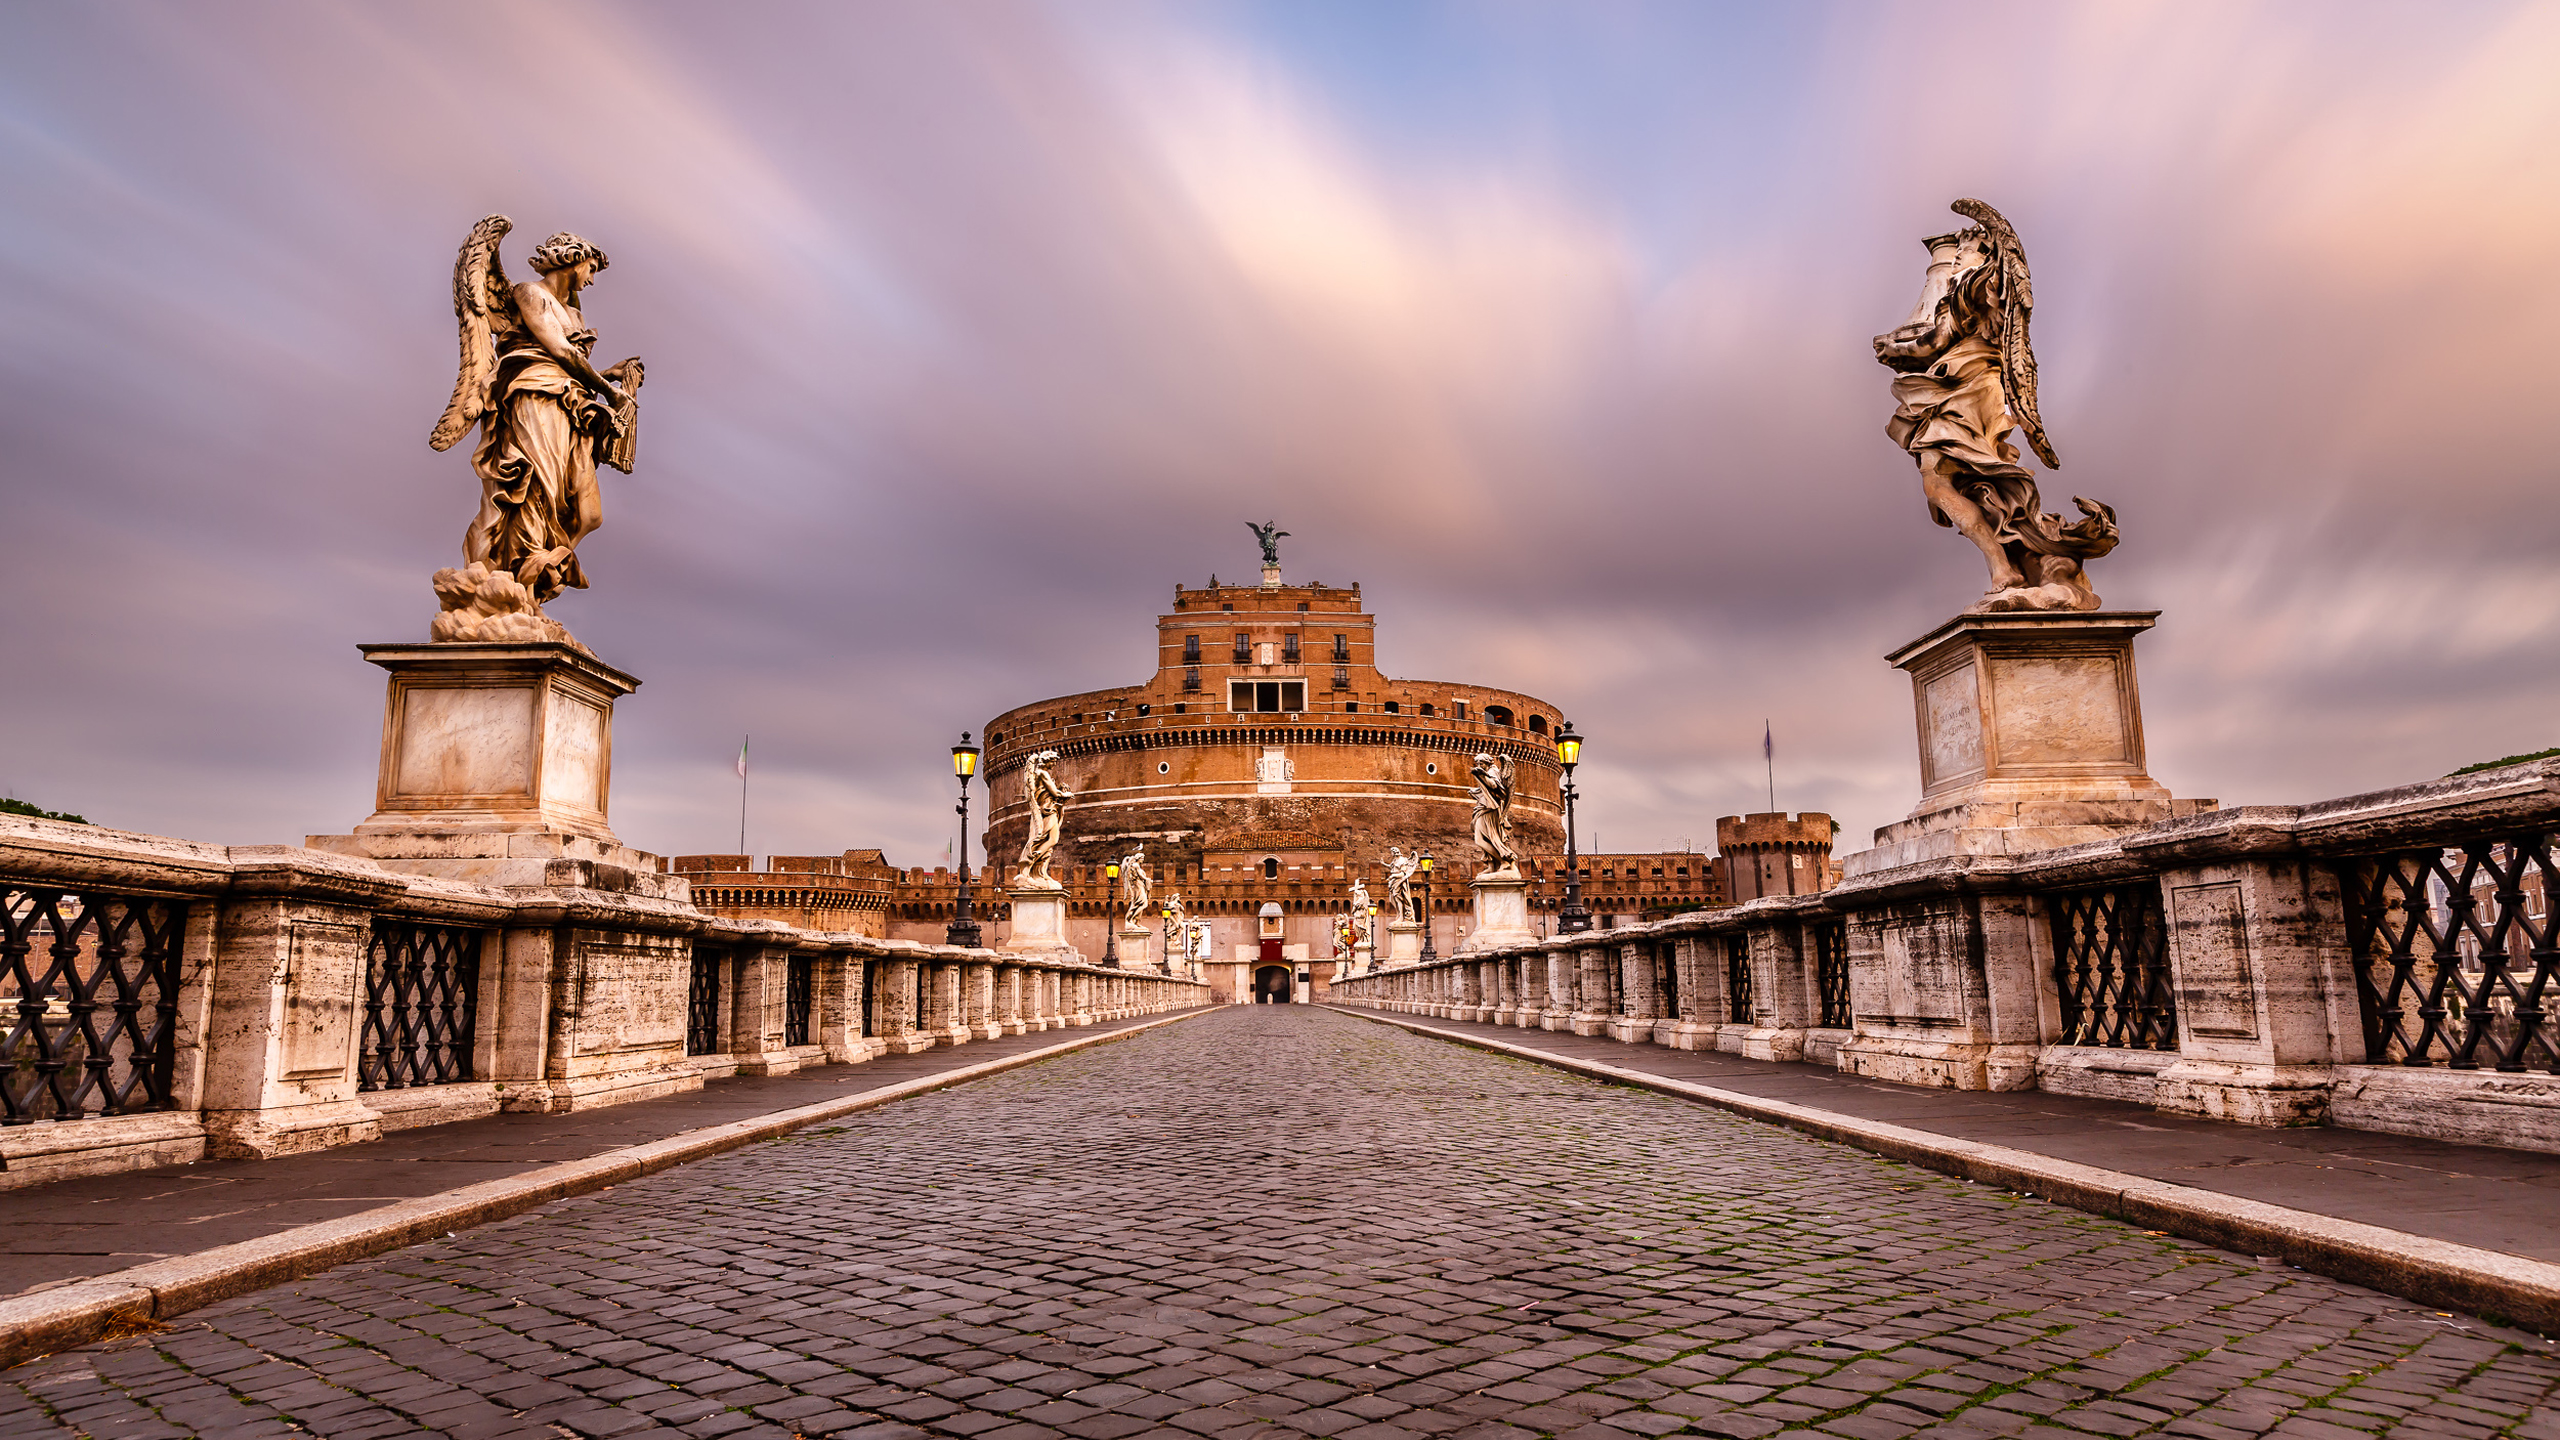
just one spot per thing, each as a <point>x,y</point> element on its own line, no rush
<point>1457,709</point>
<point>1341,649</point>
<point>1244,648</point>
<point>1266,697</point>
<point>1289,649</point>
<point>1341,677</point>
<point>1190,649</point>
<point>1190,680</point>
<point>1351,707</point>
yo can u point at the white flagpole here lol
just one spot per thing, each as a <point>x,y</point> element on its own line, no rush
<point>742,794</point>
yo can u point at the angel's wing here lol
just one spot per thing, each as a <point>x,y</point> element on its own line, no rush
<point>480,296</point>
<point>2018,301</point>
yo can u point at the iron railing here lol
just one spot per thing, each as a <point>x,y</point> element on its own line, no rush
<point>870,998</point>
<point>2111,968</point>
<point>421,1005</point>
<point>90,982</point>
<point>1737,979</point>
<point>1666,979</point>
<point>2455,953</point>
<point>1831,971</point>
<point>702,1004</point>
<point>799,979</point>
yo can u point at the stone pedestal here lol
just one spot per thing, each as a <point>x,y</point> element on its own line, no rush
<point>2030,728</point>
<point>1502,913</point>
<point>1039,922</point>
<point>1363,958</point>
<point>497,761</point>
<point>1137,951</point>
<point>1404,942</point>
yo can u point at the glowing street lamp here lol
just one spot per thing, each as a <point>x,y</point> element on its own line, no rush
<point>964,763</point>
<point>1573,916</point>
<point>1428,953</point>
<point>1110,903</point>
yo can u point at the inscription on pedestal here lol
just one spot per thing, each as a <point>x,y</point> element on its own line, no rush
<point>1924,970</point>
<point>1954,718</point>
<point>2209,935</point>
<point>324,968</point>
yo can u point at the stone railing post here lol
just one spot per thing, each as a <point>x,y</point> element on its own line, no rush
<point>1781,989</point>
<point>837,1023</point>
<point>1639,1005</point>
<point>287,997</point>
<point>1591,1008</point>
<point>1699,982</point>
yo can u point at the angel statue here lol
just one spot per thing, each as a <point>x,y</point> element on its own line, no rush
<point>1493,814</point>
<point>1343,935</point>
<point>546,417</point>
<point>1400,872</point>
<point>1135,884</point>
<point>1270,534</point>
<point>1359,897</point>
<point>1048,801</point>
<point>1964,376</point>
<point>1178,923</point>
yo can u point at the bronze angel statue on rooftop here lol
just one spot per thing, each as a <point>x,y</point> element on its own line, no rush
<point>547,416</point>
<point>1965,376</point>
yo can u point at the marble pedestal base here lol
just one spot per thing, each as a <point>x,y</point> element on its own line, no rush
<point>1502,913</point>
<point>1039,923</point>
<point>1404,942</point>
<point>1137,951</point>
<point>496,766</point>
<point>2030,729</point>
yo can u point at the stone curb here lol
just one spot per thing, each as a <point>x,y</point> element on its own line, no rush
<point>85,1310</point>
<point>2436,1273</point>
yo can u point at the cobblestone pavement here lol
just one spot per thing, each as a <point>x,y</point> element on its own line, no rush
<point>1279,1222</point>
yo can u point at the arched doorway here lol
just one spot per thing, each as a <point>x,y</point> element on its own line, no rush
<point>1271,985</point>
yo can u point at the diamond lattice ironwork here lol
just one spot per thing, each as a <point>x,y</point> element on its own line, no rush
<point>2455,951</point>
<point>2111,968</point>
<point>1831,971</point>
<point>90,986</point>
<point>702,1004</point>
<point>421,1005</point>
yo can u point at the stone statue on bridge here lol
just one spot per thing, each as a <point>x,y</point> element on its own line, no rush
<point>547,416</point>
<point>1359,899</point>
<point>1965,376</point>
<point>1135,885</point>
<point>1494,775</point>
<point>1180,924</point>
<point>1047,800</point>
<point>1400,872</point>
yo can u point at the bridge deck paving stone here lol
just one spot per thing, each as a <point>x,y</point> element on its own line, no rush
<point>1174,1235</point>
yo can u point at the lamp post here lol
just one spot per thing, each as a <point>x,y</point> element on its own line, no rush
<point>1373,937</point>
<point>1573,917</point>
<point>1428,953</point>
<point>964,763</point>
<point>1111,903</point>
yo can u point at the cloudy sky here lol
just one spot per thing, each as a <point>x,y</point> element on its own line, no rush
<point>972,328</point>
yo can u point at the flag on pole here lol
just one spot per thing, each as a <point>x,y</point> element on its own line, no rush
<point>742,759</point>
<point>1768,746</point>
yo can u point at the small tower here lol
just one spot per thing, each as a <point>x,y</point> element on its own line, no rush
<point>1775,854</point>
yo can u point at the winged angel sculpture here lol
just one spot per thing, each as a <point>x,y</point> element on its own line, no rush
<point>547,416</point>
<point>1965,376</point>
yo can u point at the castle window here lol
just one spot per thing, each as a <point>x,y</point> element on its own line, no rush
<point>1684,870</point>
<point>1270,869</point>
<point>1394,709</point>
<point>1457,709</point>
<point>1267,697</point>
<point>1190,677</point>
<point>1341,677</point>
<point>1341,649</point>
<point>1289,649</point>
<point>1657,869</point>
<point>1145,709</point>
<point>1537,724</point>
<point>1190,649</point>
<point>1302,607</point>
<point>1244,648</point>
<point>1164,767</point>
<point>1180,709</point>
<point>1427,711</point>
<point>1497,715</point>
<point>1350,707</point>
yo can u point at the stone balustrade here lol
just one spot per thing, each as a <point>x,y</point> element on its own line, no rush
<point>2388,961</point>
<point>163,1000</point>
